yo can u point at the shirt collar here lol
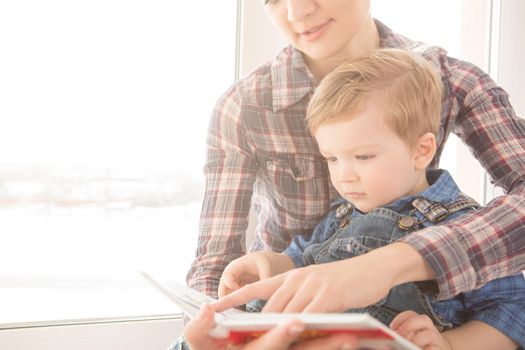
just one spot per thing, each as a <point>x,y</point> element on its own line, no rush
<point>442,189</point>
<point>390,39</point>
<point>292,80</point>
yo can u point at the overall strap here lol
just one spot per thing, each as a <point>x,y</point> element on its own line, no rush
<point>343,210</point>
<point>436,212</point>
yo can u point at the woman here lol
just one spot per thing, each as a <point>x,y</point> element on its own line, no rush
<point>260,151</point>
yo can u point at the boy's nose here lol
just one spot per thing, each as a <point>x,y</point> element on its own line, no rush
<point>298,10</point>
<point>347,174</point>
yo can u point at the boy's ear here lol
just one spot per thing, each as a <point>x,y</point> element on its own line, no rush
<point>425,149</point>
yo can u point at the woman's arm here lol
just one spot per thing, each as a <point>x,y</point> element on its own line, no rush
<point>467,253</point>
<point>230,173</point>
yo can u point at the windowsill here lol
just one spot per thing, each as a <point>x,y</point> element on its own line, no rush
<point>88,321</point>
<point>91,301</point>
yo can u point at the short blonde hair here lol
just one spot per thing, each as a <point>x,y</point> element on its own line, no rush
<point>406,88</point>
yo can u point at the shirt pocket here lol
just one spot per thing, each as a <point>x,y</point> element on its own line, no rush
<point>337,250</point>
<point>297,168</point>
<point>299,185</point>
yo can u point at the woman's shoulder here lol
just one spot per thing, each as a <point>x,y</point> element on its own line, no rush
<point>453,70</point>
<point>460,75</point>
<point>464,81</point>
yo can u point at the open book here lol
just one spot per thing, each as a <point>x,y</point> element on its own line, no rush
<point>239,327</point>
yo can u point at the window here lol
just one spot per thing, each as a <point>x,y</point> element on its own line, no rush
<point>105,107</point>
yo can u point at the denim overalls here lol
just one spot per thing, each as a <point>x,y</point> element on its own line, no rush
<point>359,233</point>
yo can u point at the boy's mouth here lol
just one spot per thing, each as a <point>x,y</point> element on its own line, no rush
<point>355,195</point>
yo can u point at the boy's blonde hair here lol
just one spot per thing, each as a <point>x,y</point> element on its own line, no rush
<point>405,87</point>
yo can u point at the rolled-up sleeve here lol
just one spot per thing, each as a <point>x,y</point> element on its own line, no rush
<point>490,243</point>
<point>230,173</point>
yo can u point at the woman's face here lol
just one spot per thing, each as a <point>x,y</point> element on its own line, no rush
<point>322,29</point>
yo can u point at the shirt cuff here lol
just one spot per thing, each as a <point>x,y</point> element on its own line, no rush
<point>445,253</point>
<point>205,284</point>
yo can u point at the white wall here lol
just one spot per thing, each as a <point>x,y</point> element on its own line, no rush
<point>507,57</point>
<point>474,47</point>
<point>511,74</point>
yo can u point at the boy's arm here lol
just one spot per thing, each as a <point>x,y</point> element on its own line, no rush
<point>477,335</point>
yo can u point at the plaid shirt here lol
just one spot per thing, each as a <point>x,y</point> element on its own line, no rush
<point>260,151</point>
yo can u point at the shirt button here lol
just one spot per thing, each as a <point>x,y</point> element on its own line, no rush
<point>406,222</point>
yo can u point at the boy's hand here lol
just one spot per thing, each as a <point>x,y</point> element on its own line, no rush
<point>420,330</point>
<point>247,269</point>
<point>251,268</point>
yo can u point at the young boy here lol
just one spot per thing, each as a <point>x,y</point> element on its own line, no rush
<point>376,120</point>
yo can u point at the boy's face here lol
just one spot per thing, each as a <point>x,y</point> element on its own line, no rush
<point>370,165</point>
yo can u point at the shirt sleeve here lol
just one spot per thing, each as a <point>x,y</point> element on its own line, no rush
<point>230,173</point>
<point>490,243</point>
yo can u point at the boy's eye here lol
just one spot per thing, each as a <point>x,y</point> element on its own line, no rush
<point>364,156</point>
<point>330,159</point>
<point>266,2</point>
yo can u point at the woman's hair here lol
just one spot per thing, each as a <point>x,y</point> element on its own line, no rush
<point>401,85</point>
